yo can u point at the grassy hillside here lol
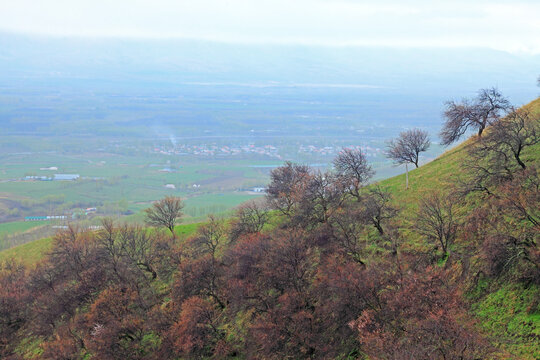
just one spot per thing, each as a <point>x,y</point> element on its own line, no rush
<point>29,253</point>
<point>507,312</point>
<point>443,171</point>
<point>19,226</point>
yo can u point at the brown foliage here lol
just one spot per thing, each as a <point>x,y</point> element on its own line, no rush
<point>14,295</point>
<point>196,333</point>
<point>420,318</point>
<point>286,188</point>
<point>322,285</point>
<point>114,326</point>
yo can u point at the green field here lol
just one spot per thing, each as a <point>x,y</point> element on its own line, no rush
<point>19,226</point>
<point>123,184</point>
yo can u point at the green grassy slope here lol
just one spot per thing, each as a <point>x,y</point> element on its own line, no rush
<point>19,226</point>
<point>28,254</point>
<point>507,313</point>
<point>443,171</point>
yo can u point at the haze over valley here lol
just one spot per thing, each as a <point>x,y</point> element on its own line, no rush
<point>276,179</point>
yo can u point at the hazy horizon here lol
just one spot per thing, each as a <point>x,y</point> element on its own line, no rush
<point>504,25</point>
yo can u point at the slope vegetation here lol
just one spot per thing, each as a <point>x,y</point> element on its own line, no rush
<point>447,269</point>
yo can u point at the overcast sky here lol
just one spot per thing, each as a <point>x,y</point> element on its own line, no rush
<point>510,25</point>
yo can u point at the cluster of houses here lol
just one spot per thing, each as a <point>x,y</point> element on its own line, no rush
<point>215,150</point>
<point>41,218</point>
<point>367,150</point>
<point>74,215</point>
<point>55,177</point>
<point>266,150</point>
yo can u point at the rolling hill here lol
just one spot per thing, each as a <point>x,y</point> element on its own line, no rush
<point>289,281</point>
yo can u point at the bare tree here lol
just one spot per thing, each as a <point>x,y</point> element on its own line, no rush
<point>348,230</point>
<point>323,195</point>
<point>165,213</point>
<point>475,114</point>
<point>407,147</point>
<point>376,208</point>
<point>250,218</point>
<point>353,170</point>
<point>437,220</point>
<point>495,158</point>
<point>211,236</point>
<point>520,129</point>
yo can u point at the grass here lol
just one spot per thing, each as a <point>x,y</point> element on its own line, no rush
<point>28,254</point>
<point>437,174</point>
<point>511,316</point>
<point>186,230</point>
<point>444,171</point>
<point>15,227</point>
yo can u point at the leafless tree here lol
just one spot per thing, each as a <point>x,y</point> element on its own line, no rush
<point>376,208</point>
<point>353,170</point>
<point>250,218</point>
<point>211,236</point>
<point>286,187</point>
<point>437,220</point>
<point>477,114</point>
<point>408,146</point>
<point>323,195</point>
<point>495,158</point>
<point>520,129</point>
<point>349,232</point>
<point>165,213</point>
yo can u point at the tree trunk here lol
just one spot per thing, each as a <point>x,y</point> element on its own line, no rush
<point>518,159</point>
<point>481,130</point>
<point>521,163</point>
<point>406,176</point>
<point>379,227</point>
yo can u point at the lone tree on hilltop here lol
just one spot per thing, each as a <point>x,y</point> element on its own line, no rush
<point>477,113</point>
<point>407,147</point>
<point>353,170</point>
<point>165,213</point>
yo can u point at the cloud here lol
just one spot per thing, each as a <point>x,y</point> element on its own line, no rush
<point>506,25</point>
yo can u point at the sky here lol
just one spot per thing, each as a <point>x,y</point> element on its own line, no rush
<point>508,25</point>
